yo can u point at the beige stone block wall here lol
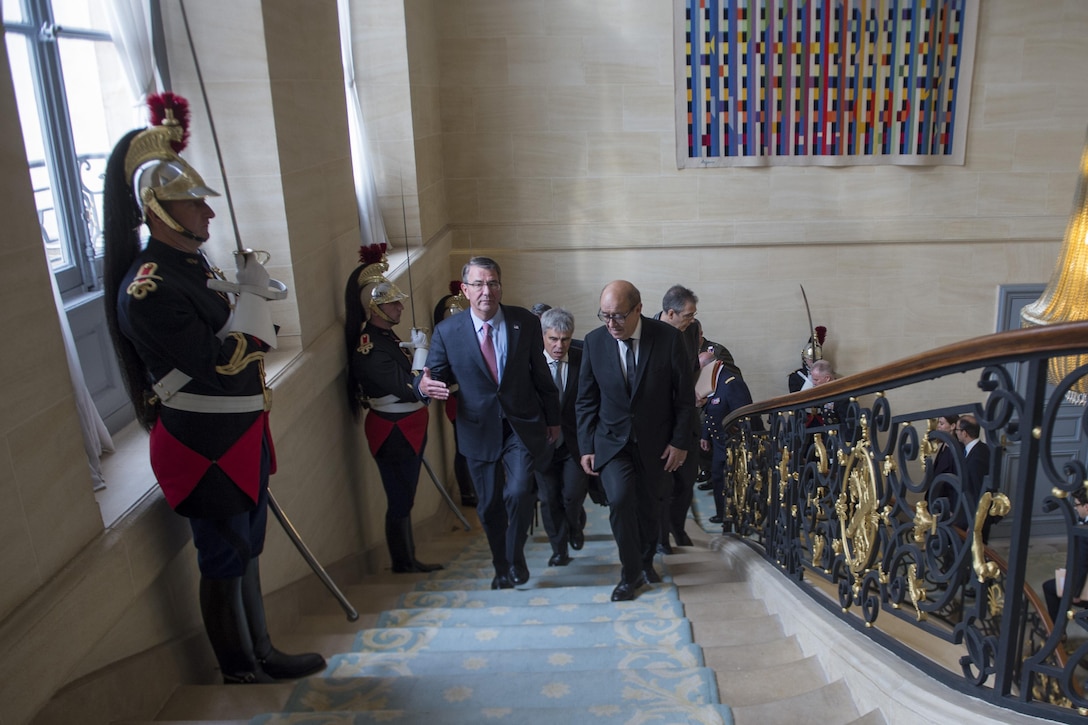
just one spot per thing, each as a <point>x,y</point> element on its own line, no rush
<point>560,162</point>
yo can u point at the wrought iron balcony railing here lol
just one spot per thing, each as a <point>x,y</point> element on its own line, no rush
<point>843,505</point>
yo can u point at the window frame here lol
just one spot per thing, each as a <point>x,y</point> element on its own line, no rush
<point>38,27</point>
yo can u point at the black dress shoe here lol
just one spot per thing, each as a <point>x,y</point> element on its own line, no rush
<point>705,486</point>
<point>623,592</point>
<point>664,548</point>
<point>682,538</point>
<point>703,476</point>
<point>715,519</point>
<point>559,560</point>
<point>519,573</point>
<point>651,575</point>
<point>501,582</point>
<point>577,539</point>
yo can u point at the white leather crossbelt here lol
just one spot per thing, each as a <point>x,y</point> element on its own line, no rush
<point>390,404</point>
<point>167,391</point>
<point>192,403</point>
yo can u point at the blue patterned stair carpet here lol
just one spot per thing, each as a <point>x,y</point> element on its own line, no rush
<point>555,650</point>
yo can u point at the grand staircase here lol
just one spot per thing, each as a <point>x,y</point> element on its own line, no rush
<point>443,648</point>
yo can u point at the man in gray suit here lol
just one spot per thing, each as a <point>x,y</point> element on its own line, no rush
<point>507,409</point>
<point>635,403</point>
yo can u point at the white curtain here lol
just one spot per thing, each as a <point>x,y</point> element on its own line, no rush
<point>129,27</point>
<point>96,438</point>
<point>371,226</point>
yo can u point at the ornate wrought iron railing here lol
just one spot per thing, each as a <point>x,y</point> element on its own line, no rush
<point>843,506</point>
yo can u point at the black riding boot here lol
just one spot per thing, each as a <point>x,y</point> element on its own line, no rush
<point>225,623</point>
<point>275,664</point>
<point>402,550</point>
<point>420,566</point>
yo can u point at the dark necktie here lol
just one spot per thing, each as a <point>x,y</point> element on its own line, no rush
<point>630,360</point>
<point>558,378</point>
<point>488,349</point>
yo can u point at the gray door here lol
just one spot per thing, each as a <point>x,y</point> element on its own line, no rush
<point>1067,441</point>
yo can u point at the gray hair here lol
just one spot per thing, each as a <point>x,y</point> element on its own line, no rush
<point>677,297</point>
<point>557,319</point>
<point>482,263</point>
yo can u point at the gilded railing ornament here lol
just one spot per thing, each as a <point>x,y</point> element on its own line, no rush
<point>989,504</point>
<point>925,523</point>
<point>821,454</point>
<point>857,509</point>
<point>917,589</point>
<point>819,541</point>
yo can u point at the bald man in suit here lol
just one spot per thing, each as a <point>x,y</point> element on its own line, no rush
<point>635,405</point>
<point>507,409</point>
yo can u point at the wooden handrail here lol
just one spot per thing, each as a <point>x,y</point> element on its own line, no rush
<point>997,348</point>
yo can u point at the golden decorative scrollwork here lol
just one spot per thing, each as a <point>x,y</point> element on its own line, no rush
<point>819,541</point>
<point>917,589</point>
<point>821,454</point>
<point>740,477</point>
<point>989,504</point>
<point>925,523</point>
<point>856,508</point>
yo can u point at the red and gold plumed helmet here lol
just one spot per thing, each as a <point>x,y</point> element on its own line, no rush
<point>153,166</point>
<point>374,289</point>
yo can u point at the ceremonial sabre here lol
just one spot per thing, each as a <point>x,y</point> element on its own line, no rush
<point>314,564</point>
<point>292,534</point>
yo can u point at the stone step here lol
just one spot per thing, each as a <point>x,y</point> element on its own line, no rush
<point>828,705</point>
<point>748,686</point>
<point>224,702</point>
<point>757,630</point>
<point>672,714</point>
<point>739,657</point>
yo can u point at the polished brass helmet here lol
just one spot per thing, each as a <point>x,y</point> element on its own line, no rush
<point>158,173</point>
<point>374,289</point>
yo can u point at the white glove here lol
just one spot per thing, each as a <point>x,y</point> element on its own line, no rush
<point>251,278</point>
<point>253,316</point>
<point>419,342</point>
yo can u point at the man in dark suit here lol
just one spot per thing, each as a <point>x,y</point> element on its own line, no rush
<point>635,402</point>
<point>977,460</point>
<point>679,306</point>
<point>563,483</point>
<point>507,409</point>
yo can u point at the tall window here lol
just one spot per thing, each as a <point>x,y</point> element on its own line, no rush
<point>73,104</point>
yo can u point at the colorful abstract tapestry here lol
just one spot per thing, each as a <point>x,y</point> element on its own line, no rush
<point>823,82</point>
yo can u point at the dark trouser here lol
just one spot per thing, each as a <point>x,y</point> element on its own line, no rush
<point>683,491</point>
<point>635,497</point>
<point>506,499</point>
<point>225,546</point>
<point>717,476</point>
<point>562,491</point>
<point>400,478</point>
<point>1053,601</point>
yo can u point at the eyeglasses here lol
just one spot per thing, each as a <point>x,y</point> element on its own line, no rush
<point>607,317</point>
<point>491,285</point>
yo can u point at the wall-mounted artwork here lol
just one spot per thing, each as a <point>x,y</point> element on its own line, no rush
<point>823,82</point>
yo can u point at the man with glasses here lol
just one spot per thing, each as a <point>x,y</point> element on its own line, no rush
<point>635,403</point>
<point>507,409</point>
<point>678,308</point>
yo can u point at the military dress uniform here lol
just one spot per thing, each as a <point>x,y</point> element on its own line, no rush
<point>211,449</point>
<point>193,362</point>
<point>396,431</point>
<point>730,393</point>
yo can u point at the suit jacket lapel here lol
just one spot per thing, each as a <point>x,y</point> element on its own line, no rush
<point>645,346</point>
<point>473,339</point>
<point>513,334</point>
